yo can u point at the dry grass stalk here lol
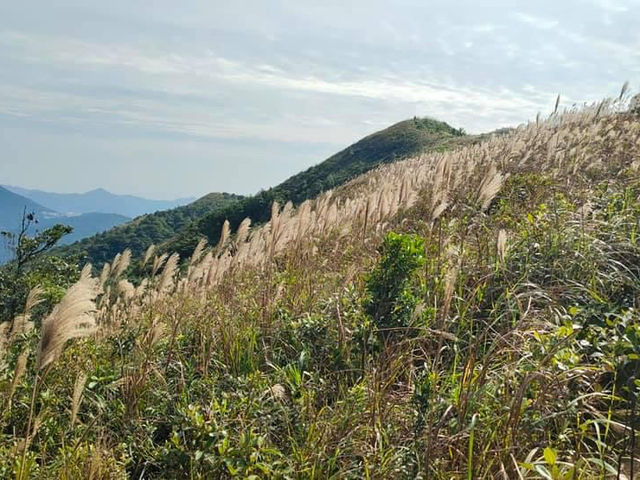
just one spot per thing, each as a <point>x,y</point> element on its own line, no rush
<point>119,267</point>
<point>22,323</point>
<point>104,276</point>
<point>73,317</point>
<point>501,244</point>
<point>21,367</point>
<point>148,254</point>
<point>166,281</point>
<point>158,261</point>
<point>243,232</point>
<point>489,188</point>
<point>197,252</point>
<point>224,236</point>
<point>76,397</point>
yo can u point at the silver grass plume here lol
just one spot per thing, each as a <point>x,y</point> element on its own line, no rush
<point>224,236</point>
<point>104,275</point>
<point>4,336</point>
<point>158,261</point>
<point>197,252</point>
<point>243,232</point>
<point>122,264</point>
<point>501,244</point>
<point>76,397</point>
<point>148,254</point>
<point>22,323</point>
<point>275,209</point>
<point>21,367</point>
<point>73,317</point>
<point>489,187</point>
<point>126,289</point>
<point>166,278</point>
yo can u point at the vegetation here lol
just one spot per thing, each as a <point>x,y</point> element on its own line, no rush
<point>31,270</point>
<point>145,230</point>
<point>402,140</point>
<point>462,314</point>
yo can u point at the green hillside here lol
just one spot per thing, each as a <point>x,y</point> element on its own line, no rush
<point>145,230</point>
<point>181,228</point>
<point>401,140</point>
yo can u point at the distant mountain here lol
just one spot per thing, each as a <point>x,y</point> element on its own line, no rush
<point>97,201</point>
<point>85,225</point>
<point>147,229</point>
<point>12,206</point>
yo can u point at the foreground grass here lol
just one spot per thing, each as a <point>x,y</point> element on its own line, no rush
<point>495,334</point>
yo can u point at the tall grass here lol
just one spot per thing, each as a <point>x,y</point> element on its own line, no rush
<point>517,358</point>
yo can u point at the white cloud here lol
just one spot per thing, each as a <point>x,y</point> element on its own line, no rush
<point>536,21</point>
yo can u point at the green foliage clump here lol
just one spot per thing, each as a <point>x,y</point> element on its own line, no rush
<point>31,267</point>
<point>391,300</point>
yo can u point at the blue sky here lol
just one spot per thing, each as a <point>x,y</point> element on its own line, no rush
<point>167,99</point>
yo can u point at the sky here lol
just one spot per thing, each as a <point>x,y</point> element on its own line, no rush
<point>169,99</point>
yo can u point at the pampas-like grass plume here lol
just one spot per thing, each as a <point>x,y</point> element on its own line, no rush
<point>119,267</point>
<point>224,236</point>
<point>21,367</point>
<point>22,323</point>
<point>76,398</point>
<point>243,232</point>
<point>489,187</point>
<point>502,244</point>
<point>158,261</point>
<point>73,317</point>
<point>166,278</point>
<point>104,275</point>
<point>197,252</point>
<point>148,254</point>
<point>4,336</point>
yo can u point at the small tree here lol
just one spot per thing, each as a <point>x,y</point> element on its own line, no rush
<point>16,277</point>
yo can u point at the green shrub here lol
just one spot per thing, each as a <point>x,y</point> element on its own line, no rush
<point>390,297</point>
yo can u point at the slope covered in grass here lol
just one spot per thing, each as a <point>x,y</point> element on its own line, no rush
<point>399,141</point>
<point>466,314</point>
<point>146,230</point>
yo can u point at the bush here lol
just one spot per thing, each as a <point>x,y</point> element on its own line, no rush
<point>390,297</point>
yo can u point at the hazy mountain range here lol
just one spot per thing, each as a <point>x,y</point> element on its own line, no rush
<point>98,200</point>
<point>88,213</point>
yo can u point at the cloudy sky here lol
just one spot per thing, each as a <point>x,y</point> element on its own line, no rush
<point>173,98</point>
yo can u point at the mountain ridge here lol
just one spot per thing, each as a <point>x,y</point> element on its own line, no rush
<point>98,200</point>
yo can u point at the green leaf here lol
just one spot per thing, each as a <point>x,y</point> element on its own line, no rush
<point>550,456</point>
